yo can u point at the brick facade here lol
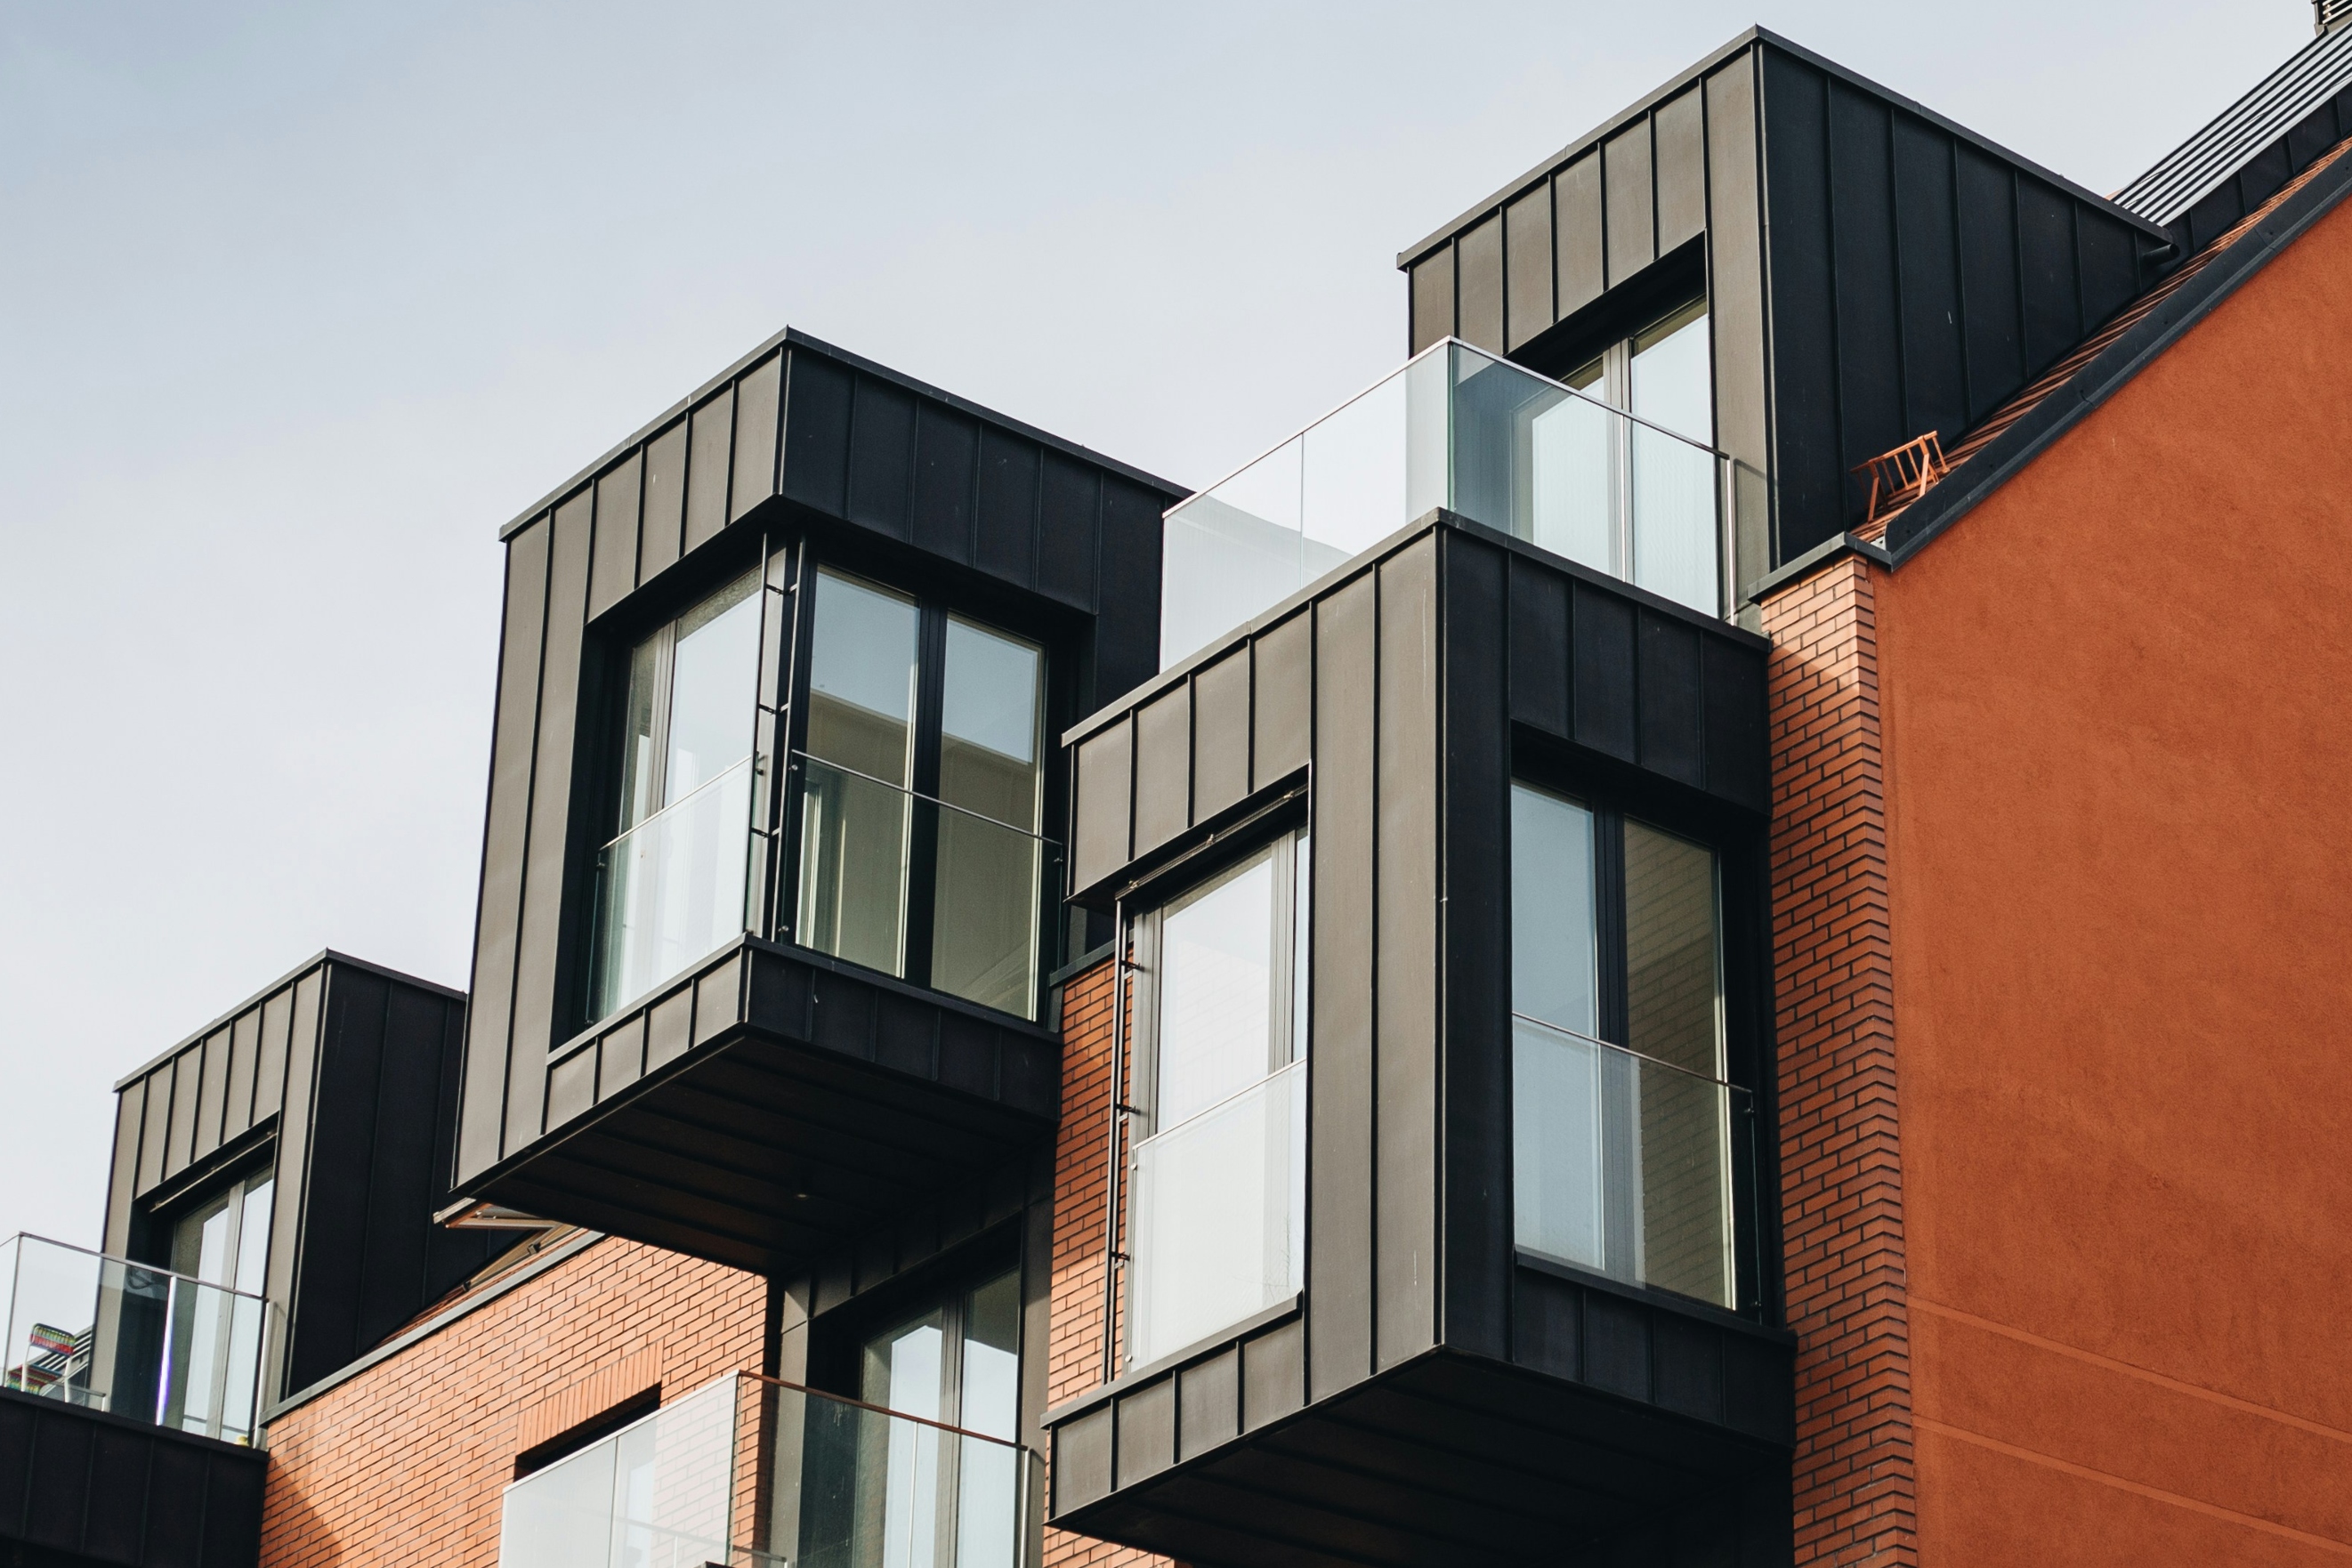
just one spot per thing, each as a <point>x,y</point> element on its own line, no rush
<point>405,1462</point>
<point>1842,1180</point>
<point>1075,1345</point>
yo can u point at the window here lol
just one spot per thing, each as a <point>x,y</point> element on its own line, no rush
<point>214,1353</point>
<point>674,882</point>
<point>922,794</point>
<point>1217,1185</point>
<point>1621,1111</point>
<point>1620,495</point>
<point>656,1494</point>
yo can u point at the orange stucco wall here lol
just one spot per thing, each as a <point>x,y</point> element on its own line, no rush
<point>2117,729</point>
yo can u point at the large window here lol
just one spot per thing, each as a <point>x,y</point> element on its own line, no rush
<point>674,882</point>
<point>1616,493</point>
<point>214,1352</point>
<point>1216,1192</point>
<point>922,794</point>
<point>1621,1111</point>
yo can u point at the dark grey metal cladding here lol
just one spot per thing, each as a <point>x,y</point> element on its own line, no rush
<point>90,1487</point>
<point>796,438</point>
<point>1431,1399</point>
<point>1914,277</point>
<point>340,1078</point>
<point>769,1104</point>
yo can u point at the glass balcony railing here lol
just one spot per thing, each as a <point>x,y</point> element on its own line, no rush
<point>1218,1206</point>
<point>1459,428</point>
<point>1624,1163</point>
<point>677,887</point>
<point>864,845</point>
<point>132,1340</point>
<point>753,1472</point>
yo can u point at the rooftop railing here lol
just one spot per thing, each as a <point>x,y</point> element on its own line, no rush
<point>1459,428</point>
<point>131,1338</point>
<point>755,1473</point>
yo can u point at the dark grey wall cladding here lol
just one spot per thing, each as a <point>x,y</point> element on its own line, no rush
<point>99,1487</point>
<point>840,440</point>
<point>1914,278</point>
<point>343,1078</point>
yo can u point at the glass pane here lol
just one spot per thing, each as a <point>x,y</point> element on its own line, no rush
<point>1302,946</point>
<point>1674,382</point>
<point>714,688</point>
<point>987,1483</point>
<point>673,889</point>
<point>561,1517</point>
<point>1556,1147</point>
<point>853,866</point>
<point>1674,486</point>
<point>253,1236</point>
<point>1574,453</point>
<point>638,773</point>
<point>1686,1149</point>
<point>1554,962</point>
<point>1673,975</point>
<point>1496,408</point>
<point>1231,552</point>
<point>1352,491</point>
<point>988,726</point>
<point>1218,1221</point>
<point>985,919</point>
<point>52,1322</point>
<point>862,679</point>
<point>901,1369</point>
<point>898,1469</point>
<point>1216,993</point>
<point>656,1494</point>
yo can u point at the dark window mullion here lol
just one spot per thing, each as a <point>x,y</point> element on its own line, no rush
<point>1609,919</point>
<point>794,768</point>
<point>923,839</point>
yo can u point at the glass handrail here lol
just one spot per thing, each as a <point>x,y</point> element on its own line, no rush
<point>1546,1025</point>
<point>87,1328</point>
<point>677,887</point>
<point>1457,427</point>
<point>800,757</point>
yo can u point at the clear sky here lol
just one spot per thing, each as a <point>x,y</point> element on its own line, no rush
<point>299,302</point>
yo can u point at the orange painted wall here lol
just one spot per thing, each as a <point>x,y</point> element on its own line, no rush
<point>2117,711</point>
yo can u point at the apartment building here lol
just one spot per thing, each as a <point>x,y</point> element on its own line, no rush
<point>1699,930</point>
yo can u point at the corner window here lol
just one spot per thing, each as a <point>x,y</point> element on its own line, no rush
<point>215,1345</point>
<point>1217,1186</point>
<point>672,884</point>
<point>922,794</point>
<point>1621,1108</point>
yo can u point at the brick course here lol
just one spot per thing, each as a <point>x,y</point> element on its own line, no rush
<point>404,1463</point>
<point>1841,1182</point>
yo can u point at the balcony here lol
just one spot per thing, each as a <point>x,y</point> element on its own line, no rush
<point>1456,428</point>
<point>755,1101</point>
<point>129,1403</point>
<point>755,1473</point>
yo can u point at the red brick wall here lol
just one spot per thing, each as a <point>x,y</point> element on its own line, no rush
<point>404,1463</point>
<point>1075,1343</point>
<point>1842,1178</point>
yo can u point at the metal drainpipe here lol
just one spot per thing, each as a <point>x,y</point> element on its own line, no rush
<point>1117,1119</point>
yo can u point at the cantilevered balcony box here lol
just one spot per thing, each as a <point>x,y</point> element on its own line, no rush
<point>769,883</point>
<point>1435,1375</point>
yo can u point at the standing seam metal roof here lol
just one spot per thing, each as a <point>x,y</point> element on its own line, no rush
<point>2195,169</point>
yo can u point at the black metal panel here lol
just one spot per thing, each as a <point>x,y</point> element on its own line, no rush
<point>613,573</point>
<point>1478,286</point>
<point>1146,1432</point>
<point>245,1048</point>
<point>1680,148</point>
<point>269,1069</point>
<point>2045,243</point>
<point>1126,598</point>
<point>1631,202</point>
<point>1736,298</point>
<point>187,1074</point>
<point>1601,634</point>
<point>1106,790</point>
<point>1986,200</point>
<point>2109,259</point>
<point>101,1487</point>
<point>1738,756</point>
<point>1431,300</point>
<point>1935,370</point>
<point>881,457</point>
<point>294,1133</point>
<point>1405,1174</point>
<point>212,1093</point>
<point>758,397</point>
<point>1869,323</point>
<point>1283,723</point>
<point>708,441</point>
<point>816,433</point>
<point>1007,547</point>
<point>122,1173</point>
<point>947,454</point>
<point>1581,235</point>
<point>1340,1083</point>
<point>662,527</point>
<point>1274,1374</point>
<point>335,1166</point>
<point>1220,735</point>
<point>1163,758</point>
<point>1671,739</point>
<point>1069,513</point>
<point>1808,469</point>
<point>1538,645</point>
<point>1527,243</point>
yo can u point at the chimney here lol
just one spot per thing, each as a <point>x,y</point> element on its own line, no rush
<point>2329,15</point>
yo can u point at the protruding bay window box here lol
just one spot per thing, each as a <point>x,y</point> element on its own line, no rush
<point>1442,1235</point>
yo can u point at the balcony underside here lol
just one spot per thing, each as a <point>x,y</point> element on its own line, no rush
<point>769,1105</point>
<point>84,1486</point>
<point>1447,1460</point>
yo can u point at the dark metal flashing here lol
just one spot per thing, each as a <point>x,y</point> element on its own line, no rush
<point>570,1248</point>
<point>1135,1377</point>
<point>325,956</point>
<point>2000,459</point>
<point>794,337</point>
<point>1835,548</point>
<point>1080,964</point>
<point>1365,560</point>
<point>156,1430</point>
<point>2225,144</point>
<point>1708,63</point>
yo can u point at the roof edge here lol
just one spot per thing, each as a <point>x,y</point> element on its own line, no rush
<point>2065,406</point>
<point>319,960</point>
<point>1708,63</point>
<point>792,337</point>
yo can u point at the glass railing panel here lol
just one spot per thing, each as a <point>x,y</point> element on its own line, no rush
<point>1460,428</point>
<point>857,1486</point>
<point>862,841</point>
<point>1218,1224</point>
<point>133,1341</point>
<point>676,888</point>
<point>658,1493</point>
<point>1623,1164</point>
